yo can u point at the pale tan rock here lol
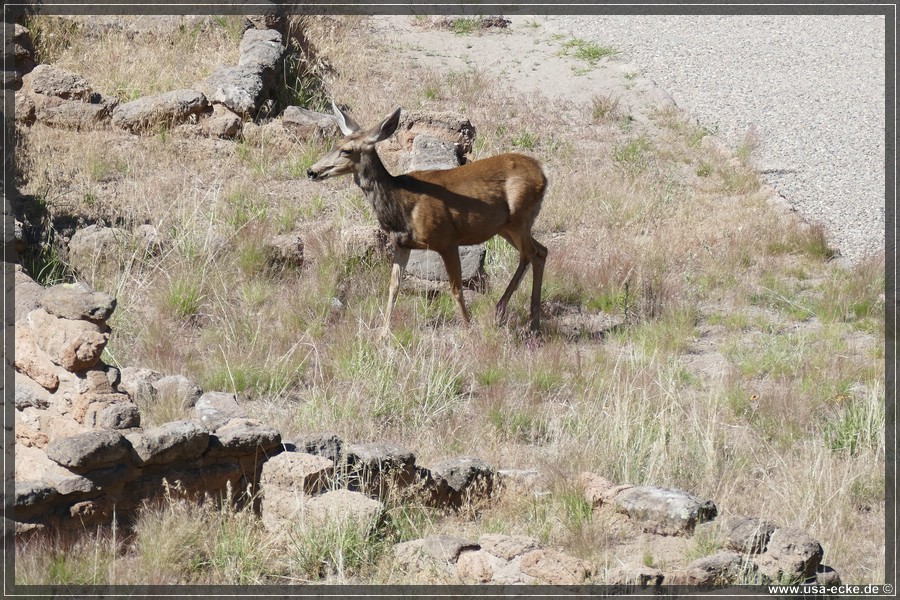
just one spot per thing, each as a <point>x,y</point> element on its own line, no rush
<point>554,567</point>
<point>31,360</point>
<point>507,547</point>
<point>74,345</point>
<point>477,567</point>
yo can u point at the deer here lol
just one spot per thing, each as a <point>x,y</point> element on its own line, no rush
<point>444,209</point>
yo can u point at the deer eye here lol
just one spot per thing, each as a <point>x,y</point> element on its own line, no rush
<point>346,152</point>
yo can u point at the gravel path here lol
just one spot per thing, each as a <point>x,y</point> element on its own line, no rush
<point>811,88</point>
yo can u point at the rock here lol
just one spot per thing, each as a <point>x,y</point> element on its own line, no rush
<point>162,109</point>
<point>260,49</point>
<point>507,547</point>
<point>326,445</point>
<point>297,470</point>
<point>477,567</point>
<point>23,50</point>
<point>91,248</point>
<point>177,388</point>
<point>599,490</point>
<point>432,558</point>
<point>429,152</point>
<point>138,383</point>
<point>792,555</point>
<point>635,577</point>
<point>74,345</point>
<point>90,450</point>
<point>244,437</point>
<point>554,568</point>
<point>748,535</point>
<point>28,293</point>
<point>284,250</point>
<point>30,493</point>
<point>720,569</point>
<point>54,81</point>
<point>122,415</point>
<point>373,466</point>
<point>222,123</point>
<point>428,265</point>
<point>240,89</point>
<point>520,481</point>
<point>78,301</point>
<point>461,478</point>
<point>307,124</point>
<point>664,511</point>
<point>451,127</point>
<point>341,507</point>
<point>29,393</point>
<point>76,115</point>
<point>31,360</point>
<point>171,442</point>
<point>214,409</point>
<point>364,241</point>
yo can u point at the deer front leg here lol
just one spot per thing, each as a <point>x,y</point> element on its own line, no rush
<point>454,273</point>
<point>401,257</point>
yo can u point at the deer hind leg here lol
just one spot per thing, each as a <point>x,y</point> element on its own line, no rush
<point>537,272</point>
<point>401,257</point>
<point>454,272</point>
<point>524,261</point>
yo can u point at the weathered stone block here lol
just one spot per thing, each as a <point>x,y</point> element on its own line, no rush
<point>78,301</point>
<point>664,511</point>
<point>171,442</point>
<point>90,450</point>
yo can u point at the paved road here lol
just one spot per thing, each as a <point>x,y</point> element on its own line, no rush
<point>811,87</point>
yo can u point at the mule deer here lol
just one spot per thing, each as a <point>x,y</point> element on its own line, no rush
<point>441,210</point>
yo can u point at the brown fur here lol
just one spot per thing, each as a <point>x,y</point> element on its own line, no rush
<point>442,210</point>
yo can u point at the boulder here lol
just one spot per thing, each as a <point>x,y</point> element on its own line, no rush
<point>90,450</point>
<point>74,345</point>
<point>461,478</point>
<point>91,248</point>
<point>306,124</point>
<point>448,126</point>
<point>31,360</point>
<point>599,490</point>
<point>664,511</point>
<point>297,470</point>
<point>433,557</point>
<point>214,409</point>
<point>240,89</point>
<point>373,466</point>
<point>747,535</point>
<point>260,49</point>
<point>428,265</point>
<point>78,301</point>
<point>138,383</point>
<point>161,109</point>
<point>326,445</point>
<point>171,442</point>
<point>284,250</point>
<point>76,115</point>
<point>244,437</point>
<point>177,388</point>
<point>28,293</point>
<point>507,547</point>
<point>342,507</point>
<point>554,568</point>
<point>429,152</point>
<point>791,555</point>
<point>222,123</point>
<point>49,80</point>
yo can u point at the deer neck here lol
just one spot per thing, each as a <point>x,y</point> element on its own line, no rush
<point>378,186</point>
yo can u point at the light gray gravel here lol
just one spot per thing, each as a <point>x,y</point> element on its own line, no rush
<point>811,88</point>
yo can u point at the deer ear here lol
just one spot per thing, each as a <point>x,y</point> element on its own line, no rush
<point>387,127</point>
<point>347,125</point>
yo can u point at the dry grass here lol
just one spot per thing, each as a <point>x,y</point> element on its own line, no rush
<point>644,224</point>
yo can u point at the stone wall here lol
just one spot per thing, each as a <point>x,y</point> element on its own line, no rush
<point>81,452</point>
